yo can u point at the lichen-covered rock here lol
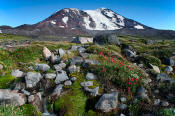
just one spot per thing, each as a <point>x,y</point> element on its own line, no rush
<point>76,60</point>
<point>32,79</point>
<point>42,67</point>
<point>168,69</point>
<point>163,78</point>
<point>83,40</point>
<point>9,97</point>
<point>17,73</point>
<point>155,68</point>
<point>61,52</point>
<point>107,102</point>
<point>68,83</point>
<point>50,76</point>
<point>169,61</point>
<point>91,76</point>
<point>61,76</point>
<point>93,92</point>
<point>46,53</point>
<point>57,91</point>
<point>87,83</point>
<point>73,68</point>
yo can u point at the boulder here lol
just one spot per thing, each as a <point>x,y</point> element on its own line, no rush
<point>17,73</point>
<point>73,68</point>
<point>107,102</point>
<point>42,67</point>
<point>19,86</point>
<point>91,76</point>
<point>57,67</point>
<point>32,79</point>
<point>84,55</point>
<point>68,83</point>
<point>36,101</point>
<point>81,49</point>
<point>50,76</point>
<point>86,84</point>
<point>168,69</point>
<point>163,78</point>
<point>129,53</point>
<point>169,61</point>
<point>62,65</point>
<point>88,62</point>
<point>9,97</point>
<point>155,68</point>
<point>73,79</point>
<point>123,99</point>
<point>113,39</point>
<point>61,52</point>
<point>76,60</point>
<point>61,76</point>
<point>74,48</point>
<point>46,53</point>
<point>93,92</point>
<point>57,91</point>
<point>122,106</point>
<point>83,40</point>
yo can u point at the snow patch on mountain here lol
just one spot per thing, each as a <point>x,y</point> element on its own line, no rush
<point>53,22</point>
<point>138,27</point>
<point>87,23</point>
<point>65,19</point>
<point>61,26</point>
<point>101,21</point>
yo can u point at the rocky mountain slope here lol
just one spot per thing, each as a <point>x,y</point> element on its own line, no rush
<point>72,21</point>
<point>123,76</point>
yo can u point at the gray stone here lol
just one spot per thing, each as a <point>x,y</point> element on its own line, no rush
<point>61,76</point>
<point>168,69</point>
<point>91,76</point>
<point>83,40</point>
<point>17,73</point>
<point>42,67</point>
<point>123,99</point>
<point>113,39</point>
<point>81,49</point>
<point>68,83</point>
<point>76,60</point>
<point>140,65</point>
<point>122,106</point>
<point>129,53</point>
<point>141,93</point>
<point>1,66</point>
<point>57,67</point>
<point>73,68</point>
<point>88,62</point>
<point>149,42</point>
<point>155,68</point>
<point>84,55</point>
<point>169,61</point>
<point>93,92</point>
<point>25,92</point>
<point>57,91</point>
<point>87,83</point>
<point>61,52</point>
<point>122,114</point>
<point>73,79</point>
<point>165,103</point>
<point>53,58</point>
<point>8,97</point>
<point>19,86</point>
<point>32,79</point>
<point>62,65</point>
<point>50,76</point>
<point>31,98</point>
<point>156,102</point>
<point>74,48</point>
<point>107,102</point>
<point>46,53</point>
<point>163,78</point>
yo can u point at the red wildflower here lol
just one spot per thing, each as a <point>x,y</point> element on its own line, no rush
<point>129,83</point>
<point>104,69</point>
<point>134,83</point>
<point>136,79</point>
<point>101,53</point>
<point>113,60</point>
<point>128,66</point>
<point>109,54</point>
<point>106,58</point>
<point>132,79</point>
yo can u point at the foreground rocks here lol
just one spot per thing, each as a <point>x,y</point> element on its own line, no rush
<point>32,79</point>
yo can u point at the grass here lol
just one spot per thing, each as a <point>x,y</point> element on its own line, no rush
<point>166,112</point>
<point>6,81</point>
<point>25,110</point>
<point>150,59</point>
<point>12,37</point>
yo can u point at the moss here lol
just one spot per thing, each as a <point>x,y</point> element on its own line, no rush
<point>25,110</point>
<point>73,103</point>
<point>166,112</point>
<point>150,59</point>
<point>5,81</point>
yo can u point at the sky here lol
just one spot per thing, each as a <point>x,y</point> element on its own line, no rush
<point>159,14</point>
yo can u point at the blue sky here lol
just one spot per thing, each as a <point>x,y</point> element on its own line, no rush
<point>159,14</point>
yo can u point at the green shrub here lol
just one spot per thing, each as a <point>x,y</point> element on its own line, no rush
<point>166,112</point>
<point>150,59</point>
<point>6,81</point>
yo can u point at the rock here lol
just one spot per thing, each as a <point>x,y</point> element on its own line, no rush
<point>149,42</point>
<point>165,103</point>
<point>156,102</point>
<point>86,84</point>
<point>50,76</point>
<point>93,92</point>
<point>25,92</point>
<point>17,73</point>
<point>123,99</point>
<point>61,76</point>
<point>140,65</point>
<point>125,46</point>
<point>81,49</point>
<point>19,86</point>
<point>141,93</point>
<point>169,61</point>
<point>107,102</point>
<point>122,106</point>
<point>36,101</point>
<point>61,52</point>
<point>113,39</point>
<point>91,76</point>
<point>84,55</point>
<point>68,52</point>
<point>74,48</point>
<point>62,65</point>
<point>129,53</point>
<point>8,97</point>
<point>73,68</point>
<point>1,66</point>
<point>32,79</point>
<point>163,78</point>
<point>73,79</point>
<point>57,67</point>
<point>88,62</point>
<point>76,60</point>
<point>46,53</point>
<point>57,91</point>
<point>83,40</point>
<point>68,83</point>
<point>168,69</point>
<point>53,59</point>
<point>155,68</point>
<point>122,114</point>
<point>42,67</point>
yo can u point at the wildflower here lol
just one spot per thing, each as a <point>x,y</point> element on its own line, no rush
<point>129,83</point>
<point>104,69</point>
<point>101,53</point>
<point>106,58</point>
<point>128,66</point>
<point>113,60</point>
<point>132,79</point>
<point>134,83</point>
<point>136,79</point>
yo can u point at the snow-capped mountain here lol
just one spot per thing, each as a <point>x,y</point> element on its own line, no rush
<point>72,21</point>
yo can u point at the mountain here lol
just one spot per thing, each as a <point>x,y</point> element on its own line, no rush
<point>72,21</point>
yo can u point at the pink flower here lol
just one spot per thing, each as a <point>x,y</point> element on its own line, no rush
<point>132,79</point>
<point>129,83</point>
<point>104,69</point>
